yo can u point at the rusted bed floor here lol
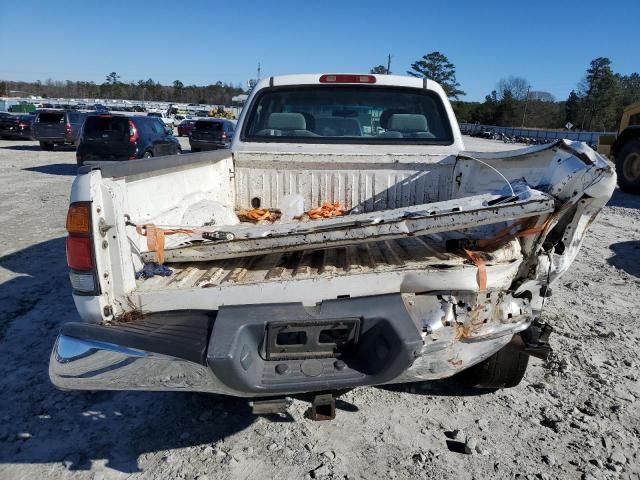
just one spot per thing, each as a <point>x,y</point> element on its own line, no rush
<point>400,254</point>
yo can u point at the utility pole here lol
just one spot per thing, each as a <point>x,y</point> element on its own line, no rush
<point>526,102</point>
<point>258,70</point>
<point>388,64</point>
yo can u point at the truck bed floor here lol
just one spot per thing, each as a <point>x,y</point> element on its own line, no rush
<point>383,256</point>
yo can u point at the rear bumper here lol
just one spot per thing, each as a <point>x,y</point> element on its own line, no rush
<point>207,145</point>
<point>58,140</point>
<point>16,133</point>
<point>401,339</point>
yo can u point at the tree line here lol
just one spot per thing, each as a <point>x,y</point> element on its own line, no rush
<point>113,88</point>
<point>595,104</point>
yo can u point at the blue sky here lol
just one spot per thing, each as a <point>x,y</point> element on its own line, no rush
<point>198,41</point>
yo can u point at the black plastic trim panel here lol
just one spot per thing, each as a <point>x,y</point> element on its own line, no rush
<point>182,334</point>
<point>388,342</point>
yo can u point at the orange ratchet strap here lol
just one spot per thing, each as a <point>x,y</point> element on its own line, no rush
<point>155,237</point>
<point>478,260</point>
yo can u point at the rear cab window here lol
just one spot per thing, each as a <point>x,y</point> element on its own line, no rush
<point>348,114</point>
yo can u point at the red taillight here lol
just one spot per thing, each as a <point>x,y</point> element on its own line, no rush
<point>79,253</point>
<point>341,78</point>
<point>224,136</point>
<point>22,125</point>
<point>67,129</point>
<point>78,225</point>
<point>133,132</point>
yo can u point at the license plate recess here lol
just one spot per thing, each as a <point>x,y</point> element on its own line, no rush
<point>311,338</point>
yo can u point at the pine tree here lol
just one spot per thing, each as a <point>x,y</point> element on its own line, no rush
<point>437,67</point>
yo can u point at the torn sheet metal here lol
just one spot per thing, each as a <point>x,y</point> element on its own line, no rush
<point>425,219</point>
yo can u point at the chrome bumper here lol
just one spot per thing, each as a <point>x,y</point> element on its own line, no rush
<point>80,364</point>
<point>447,348</point>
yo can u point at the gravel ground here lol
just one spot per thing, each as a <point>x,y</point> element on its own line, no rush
<point>574,416</point>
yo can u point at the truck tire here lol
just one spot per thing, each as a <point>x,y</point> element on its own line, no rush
<point>628,166</point>
<point>147,155</point>
<point>48,146</point>
<point>503,369</point>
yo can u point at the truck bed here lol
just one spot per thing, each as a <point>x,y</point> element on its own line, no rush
<point>411,253</point>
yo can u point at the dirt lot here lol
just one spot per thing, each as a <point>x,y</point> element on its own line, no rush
<point>575,416</point>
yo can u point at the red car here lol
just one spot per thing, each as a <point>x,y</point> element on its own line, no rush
<point>185,127</point>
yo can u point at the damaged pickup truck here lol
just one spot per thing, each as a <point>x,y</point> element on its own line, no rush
<point>346,239</point>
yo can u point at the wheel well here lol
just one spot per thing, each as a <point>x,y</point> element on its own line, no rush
<point>628,134</point>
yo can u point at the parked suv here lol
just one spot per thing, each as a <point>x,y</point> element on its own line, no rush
<point>15,126</point>
<point>211,134</point>
<point>118,137</point>
<point>185,127</point>
<point>57,127</point>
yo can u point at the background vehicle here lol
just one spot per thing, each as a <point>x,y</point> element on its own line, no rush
<point>625,149</point>
<point>185,127</point>
<point>211,134</point>
<point>100,108</point>
<point>118,137</point>
<point>428,263</point>
<point>23,108</point>
<point>57,127</point>
<point>167,120</point>
<point>16,126</point>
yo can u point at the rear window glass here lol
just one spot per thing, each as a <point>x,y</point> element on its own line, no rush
<point>51,117</point>
<point>76,117</point>
<point>154,114</point>
<point>158,126</point>
<point>113,126</point>
<point>348,114</point>
<point>211,126</point>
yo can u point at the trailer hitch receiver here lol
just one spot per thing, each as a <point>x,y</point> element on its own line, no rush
<point>323,407</point>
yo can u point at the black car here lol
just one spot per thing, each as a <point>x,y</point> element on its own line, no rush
<point>57,127</point>
<point>211,134</point>
<point>15,126</point>
<point>119,137</point>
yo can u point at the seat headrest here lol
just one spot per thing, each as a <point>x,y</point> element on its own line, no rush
<point>287,121</point>
<point>386,115</point>
<point>404,122</point>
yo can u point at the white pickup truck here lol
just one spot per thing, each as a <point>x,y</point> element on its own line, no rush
<point>166,119</point>
<point>431,262</point>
